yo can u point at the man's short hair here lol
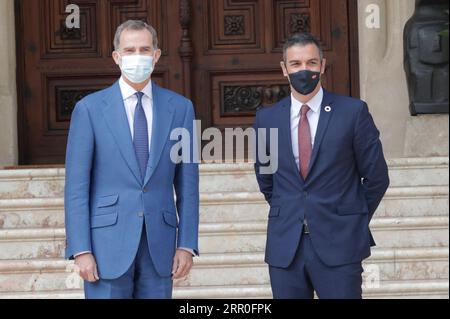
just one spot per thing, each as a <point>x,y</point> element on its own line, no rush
<point>135,25</point>
<point>302,39</point>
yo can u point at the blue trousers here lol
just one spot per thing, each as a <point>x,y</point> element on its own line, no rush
<point>308,273</point>
<point>141,281</point>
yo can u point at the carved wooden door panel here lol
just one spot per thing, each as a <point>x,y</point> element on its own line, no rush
<point>238,49</point>
<point>223,54</point>
<point>57,66</point>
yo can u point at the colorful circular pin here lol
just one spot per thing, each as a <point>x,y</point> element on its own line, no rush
<point>327,108</point>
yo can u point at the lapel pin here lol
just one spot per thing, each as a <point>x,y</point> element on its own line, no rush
<point>327,109</point>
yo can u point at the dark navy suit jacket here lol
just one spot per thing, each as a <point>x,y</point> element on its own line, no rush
<point>347,179</point>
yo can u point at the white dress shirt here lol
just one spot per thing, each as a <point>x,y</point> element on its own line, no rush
<point>130,101</point>
<point>315,104</point>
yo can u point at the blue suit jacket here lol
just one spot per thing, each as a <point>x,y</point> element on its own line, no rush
<point>347,179</point>
<point>105,199</point>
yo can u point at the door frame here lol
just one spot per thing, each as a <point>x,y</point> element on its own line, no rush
<point>20,83</point>
<point>354,48</point>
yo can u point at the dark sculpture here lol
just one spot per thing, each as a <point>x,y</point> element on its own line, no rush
<point>426,57</point>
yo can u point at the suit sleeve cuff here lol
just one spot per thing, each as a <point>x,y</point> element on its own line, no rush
<point>81,253</point>
<point>188,250</point>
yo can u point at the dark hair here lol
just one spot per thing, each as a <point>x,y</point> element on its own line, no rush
<point>302,39</point>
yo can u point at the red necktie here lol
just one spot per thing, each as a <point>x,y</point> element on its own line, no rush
<point>304,141</point>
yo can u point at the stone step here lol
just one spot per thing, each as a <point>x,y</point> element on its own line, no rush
<point>230,269</point>
<point>234,237</point>
<point>418,289</point>
<point>31,213</point>
<point>32,243</point>
<point>410,227</point>
<point>433,289</point>
<point>388,232</point>
<point>398,202</point>
<point>32,183</point>
<point>239,177</point>
<point>411,172</point>
<point>228,207</point>
<point>62,294</point>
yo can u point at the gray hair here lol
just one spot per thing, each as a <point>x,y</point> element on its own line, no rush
<point>302,39</point>
<point>135,25</point>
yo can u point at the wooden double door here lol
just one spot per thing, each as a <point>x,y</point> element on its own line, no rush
<point>222,54</point>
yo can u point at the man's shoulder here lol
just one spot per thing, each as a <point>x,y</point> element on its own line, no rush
<point>270,110</point>
<point>93,99</point>
<point>176,98</point>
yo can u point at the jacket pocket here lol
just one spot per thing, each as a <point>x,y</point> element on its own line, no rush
<point>356,208</point>
<point>170,219</point>
<point>274,212</point>
<point>98,221</point>
<point>106,205</point>
<point>107,201</point>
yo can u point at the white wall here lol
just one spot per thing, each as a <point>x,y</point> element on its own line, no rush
<point>8,96</point>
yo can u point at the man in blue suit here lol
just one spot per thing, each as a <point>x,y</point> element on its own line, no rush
<point>127,234</point>
<point>331,177</point>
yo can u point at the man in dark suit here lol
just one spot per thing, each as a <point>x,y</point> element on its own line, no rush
<point>331,176</point>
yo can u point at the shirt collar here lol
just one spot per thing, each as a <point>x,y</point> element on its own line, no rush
<point>314,104</point>
<point>127,91</point>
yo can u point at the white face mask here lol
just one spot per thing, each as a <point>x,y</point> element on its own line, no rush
<point>136,68</point>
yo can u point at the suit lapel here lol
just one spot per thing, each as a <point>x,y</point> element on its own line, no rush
<point>162,122</point>
<point>326,113</point>
<point>117,122</point>
<point>286,136</point>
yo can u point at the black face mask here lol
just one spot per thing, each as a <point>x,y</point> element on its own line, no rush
<point>305,81</point>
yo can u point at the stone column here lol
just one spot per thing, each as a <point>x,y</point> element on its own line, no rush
<point>8,92</point>
<point>383,85</point>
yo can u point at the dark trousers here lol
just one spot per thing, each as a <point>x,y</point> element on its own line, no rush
<point>308,273</point>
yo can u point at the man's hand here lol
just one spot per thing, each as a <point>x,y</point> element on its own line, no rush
<point>182,264</point>
<point>87,266</point>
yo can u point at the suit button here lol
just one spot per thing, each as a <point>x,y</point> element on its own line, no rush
<point>145,190</point>
<point>141,214</point>
<point>305,193</point>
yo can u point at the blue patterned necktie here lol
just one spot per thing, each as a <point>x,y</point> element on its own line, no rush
<point>140,141</point>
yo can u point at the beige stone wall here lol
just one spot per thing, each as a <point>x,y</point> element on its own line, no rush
<point>8,95</point>
<point>383,85</point>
